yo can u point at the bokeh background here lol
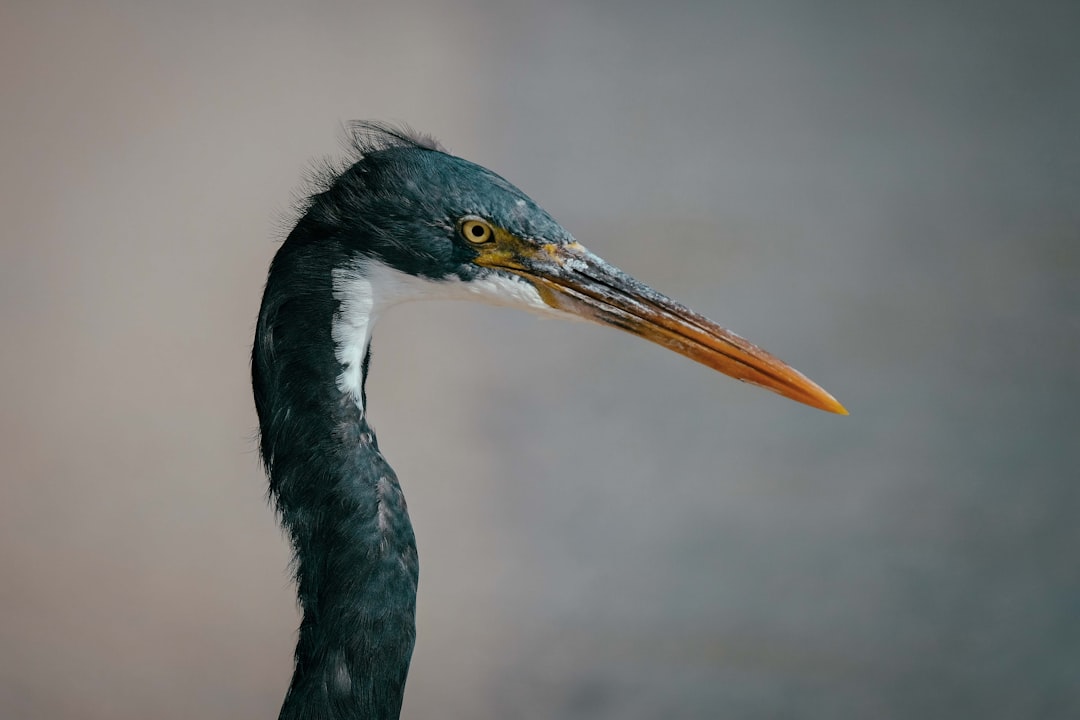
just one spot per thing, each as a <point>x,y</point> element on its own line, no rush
<point>885,194</point>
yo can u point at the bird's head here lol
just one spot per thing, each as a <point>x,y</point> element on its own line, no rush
<point>417,223</point>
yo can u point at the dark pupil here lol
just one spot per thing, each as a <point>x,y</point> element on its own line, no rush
<point>477,231</point>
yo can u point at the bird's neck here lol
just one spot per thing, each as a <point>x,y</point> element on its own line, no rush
<point>340,502</point>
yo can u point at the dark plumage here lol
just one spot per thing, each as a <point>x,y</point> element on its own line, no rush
<point>406,220</point>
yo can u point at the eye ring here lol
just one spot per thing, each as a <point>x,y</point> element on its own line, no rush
<point>476,231</point>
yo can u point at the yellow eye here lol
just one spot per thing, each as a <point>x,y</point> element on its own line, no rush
<point>476,231</point>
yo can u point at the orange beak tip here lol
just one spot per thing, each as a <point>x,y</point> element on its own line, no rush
<point>832,405</point>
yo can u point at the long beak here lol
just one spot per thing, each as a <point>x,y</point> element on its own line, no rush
<point>572,279</point>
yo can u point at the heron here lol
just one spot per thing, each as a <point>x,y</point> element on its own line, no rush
<point>406,220</point>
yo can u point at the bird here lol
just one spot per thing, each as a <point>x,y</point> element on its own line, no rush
<point>403,219</point>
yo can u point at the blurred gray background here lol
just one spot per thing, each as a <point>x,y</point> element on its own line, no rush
<point>885,195</point>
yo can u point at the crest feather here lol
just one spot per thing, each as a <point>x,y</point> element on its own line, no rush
<point>368,136</point>
<point>360,138</point>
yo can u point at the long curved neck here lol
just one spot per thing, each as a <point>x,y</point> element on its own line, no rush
<point>356,563</point>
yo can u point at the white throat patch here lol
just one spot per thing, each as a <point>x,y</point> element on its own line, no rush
<point>364,290</point>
